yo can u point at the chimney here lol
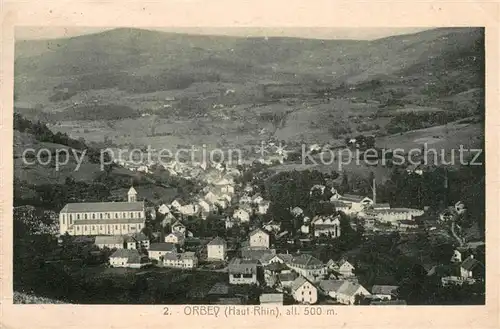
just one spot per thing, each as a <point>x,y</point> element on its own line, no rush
<point>374,191</point>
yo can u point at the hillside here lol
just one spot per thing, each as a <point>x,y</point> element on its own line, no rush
<point>218,82</point>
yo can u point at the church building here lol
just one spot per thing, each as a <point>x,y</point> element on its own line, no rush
<point>103,218</point>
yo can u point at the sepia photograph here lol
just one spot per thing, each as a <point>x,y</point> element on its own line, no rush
<point>249,166</point>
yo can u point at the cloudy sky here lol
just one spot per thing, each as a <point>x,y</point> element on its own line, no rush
<point>317,33</point>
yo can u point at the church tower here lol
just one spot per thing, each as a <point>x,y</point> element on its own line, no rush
<point>132,195</point>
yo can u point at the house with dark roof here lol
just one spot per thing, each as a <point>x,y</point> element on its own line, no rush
<point>178,227</point>
<point>110,241</point>
<point>342,267</point>
<point>285,279</point>
<point>217,249</point>
<point>384,292</point>
<point>308,266</point>
<point>141,239</point>
<point>467,267</point>
<point>127,258</point>
<point>175,238</point>
<point>304,291</point>
<point>326,225</point>
<point>103,218</point>
<point>156,250</point>
<point>357,202</point>
<point>243,271</point>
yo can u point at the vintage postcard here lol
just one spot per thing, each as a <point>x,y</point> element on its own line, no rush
<point>208,164</point>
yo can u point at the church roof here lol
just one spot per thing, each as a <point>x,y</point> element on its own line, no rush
<point>102,207</point>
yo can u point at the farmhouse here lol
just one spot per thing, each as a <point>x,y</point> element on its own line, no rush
<point>103,218</point>
<point>110,242</point>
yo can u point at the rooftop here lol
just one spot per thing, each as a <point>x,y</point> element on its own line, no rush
<point>132,255</point>
<point>306,261</point>
<point>217,241</point>
<point>102,207</point>
<point>299,282</point>
<point>384,290</point>
<point>109,239</point>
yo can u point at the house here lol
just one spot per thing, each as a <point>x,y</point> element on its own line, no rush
<point>175,238</point>
<point>384,292</point>
<point>178,227</point>
<point>110,241</point>
<point>259,238</point>
<point>314,148</point>
<point>257,253</point>
<point>304,229</point>
<point>256,199</point>
<point>343,291</point>
<point>272,226</point>
<point>262,207</point>
<point>467,267</point>
<point>205,206</point>
<point>242,271</point>
<point>169,218</point>
<point>176,204</point>
<point>394,215</point>
<point>141,239</point>
<point>186,260</point>
<point>297,211</point>
<point>216,249</point>
<point>163,209</point>
<point>303,291</point>
<point>381,206</point>
<point>230,222</point>
<point>457,257</point>
<point>271,299</point>
<point>281,258</point>
<point>405,225</point>
<point>318,188</point>
<point>341,206</point>
<point>241,215</point>
<point>343,267</point>
<point>308,266</point>
<point>127,258</point>
<point>211,198</point>
<point>326,225</point>
<point>130,242</point>
<point>189,210</point>
<point>156,250</point>
<point>357,202</point>
<point>335,195</point>
<point>103,218</point>
<point>229,189</point>
<point>245,199</point>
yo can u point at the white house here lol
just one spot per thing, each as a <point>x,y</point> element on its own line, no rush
<point>262,207</point>
<point>205,206</point>
<point>308,266</point>
<point>186,260</point>
<point>343,267</point>
<point>357,202</point>
<point>156,250</point>
<point>127,258</point>
<point>164,209</point>
<point>259,238</point>
<point>178,227</point>
<point>216,249</point>
<point>257,199</point>
<point>326,225</point>
<point>245,199</point>
<point>110,241</point>
<point>226,197</point>
<point>457,257</point>
<point>343,291</point>
<point>303,291</point>
<point>175,238</point>
<point>242,215</point>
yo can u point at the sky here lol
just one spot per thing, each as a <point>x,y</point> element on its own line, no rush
<point>302,32</point>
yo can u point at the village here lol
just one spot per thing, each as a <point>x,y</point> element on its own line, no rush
<point>253,253</point>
